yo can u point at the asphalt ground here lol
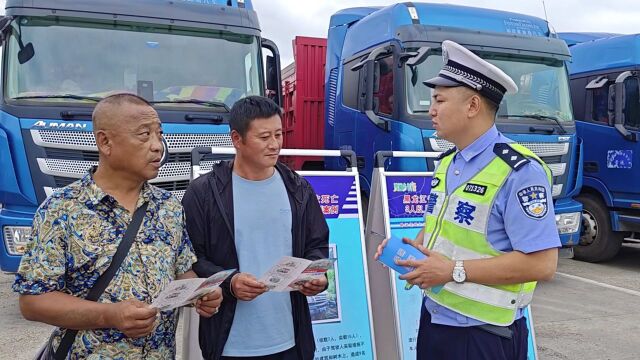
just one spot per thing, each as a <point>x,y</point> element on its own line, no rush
<point>587,312</point>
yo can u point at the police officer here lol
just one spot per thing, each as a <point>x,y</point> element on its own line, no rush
<point>490,230</point>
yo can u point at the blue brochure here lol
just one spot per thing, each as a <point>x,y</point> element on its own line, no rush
<point>397,249</point>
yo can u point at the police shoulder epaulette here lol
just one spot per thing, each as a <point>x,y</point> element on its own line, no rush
<point>446,153</point>
<point>509,155</point>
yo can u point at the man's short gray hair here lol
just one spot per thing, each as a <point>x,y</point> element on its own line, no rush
<point>115,100</point>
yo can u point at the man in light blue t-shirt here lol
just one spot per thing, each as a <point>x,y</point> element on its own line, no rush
<point>247,214</point>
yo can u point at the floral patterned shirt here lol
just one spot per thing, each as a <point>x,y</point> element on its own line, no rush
<point>76,232</point>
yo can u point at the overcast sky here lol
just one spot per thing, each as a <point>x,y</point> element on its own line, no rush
<point>282,20</point>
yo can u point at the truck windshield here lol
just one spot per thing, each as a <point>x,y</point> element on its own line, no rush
<point>75,61</point>
<point>542,82</point>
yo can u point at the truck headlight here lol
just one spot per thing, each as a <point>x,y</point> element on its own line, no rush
<point>16,238</point>
<point>568,223</point>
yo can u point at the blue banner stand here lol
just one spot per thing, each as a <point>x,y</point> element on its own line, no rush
<point>341,314</point>
<point>396,207</point>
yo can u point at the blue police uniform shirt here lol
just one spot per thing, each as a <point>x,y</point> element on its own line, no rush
<point>262,216</point>
<point>510,226</point>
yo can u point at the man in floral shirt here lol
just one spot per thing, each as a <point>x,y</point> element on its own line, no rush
<point>77,230</point>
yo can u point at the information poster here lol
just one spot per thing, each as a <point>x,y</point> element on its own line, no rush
<point>341,314</point>
<point>407,200</point>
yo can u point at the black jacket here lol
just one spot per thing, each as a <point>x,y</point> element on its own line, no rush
<point>213,241</point>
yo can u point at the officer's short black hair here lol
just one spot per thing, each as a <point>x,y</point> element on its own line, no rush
<point>493,108</point>
<point>250,108</point>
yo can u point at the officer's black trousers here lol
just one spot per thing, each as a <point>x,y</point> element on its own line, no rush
<point>441,342</point>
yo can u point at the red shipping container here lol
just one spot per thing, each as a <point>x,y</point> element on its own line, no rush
<point>303,101</point>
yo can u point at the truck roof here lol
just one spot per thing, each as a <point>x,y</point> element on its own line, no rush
<point>465,17</point>
<point>198,13</point>
<point>380,24</point>
<point>572,38</point>
<point>618,51</point>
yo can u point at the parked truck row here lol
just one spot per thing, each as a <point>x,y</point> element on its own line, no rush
<point>376,61</point>
<point>578,107</point>
<point>360,89</point>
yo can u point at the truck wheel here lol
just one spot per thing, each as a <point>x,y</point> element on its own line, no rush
<point>597,241</point>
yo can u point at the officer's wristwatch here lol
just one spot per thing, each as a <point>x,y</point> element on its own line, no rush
<point>459,275</point>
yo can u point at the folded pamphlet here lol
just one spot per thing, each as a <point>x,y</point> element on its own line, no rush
<point>183,292</point>
<point>290,273</point>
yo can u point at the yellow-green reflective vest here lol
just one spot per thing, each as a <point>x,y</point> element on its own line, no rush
<point>456,226</point>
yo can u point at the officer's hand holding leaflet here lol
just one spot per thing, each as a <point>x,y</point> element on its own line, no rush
<point>396,249</point>
<point>396,252</point>
<point>430,272</point>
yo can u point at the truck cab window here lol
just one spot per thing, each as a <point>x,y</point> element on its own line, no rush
<point>350,81</point>
<point>600,105</point>
<point>171,63</point>
<point>384,95</point>
<point>543,86</point>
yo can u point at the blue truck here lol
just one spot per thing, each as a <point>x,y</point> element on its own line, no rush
<point>191,59</point>
<point>378,57</point>
<point>604,76</point>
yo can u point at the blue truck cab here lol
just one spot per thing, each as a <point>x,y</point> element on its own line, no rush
<point>378,57</point>
<point>604,76</point>
<point>191,59</point>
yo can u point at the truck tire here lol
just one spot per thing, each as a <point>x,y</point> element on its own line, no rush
<point>597,241</point>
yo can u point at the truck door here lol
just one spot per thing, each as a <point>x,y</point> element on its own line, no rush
<point>611,134</point>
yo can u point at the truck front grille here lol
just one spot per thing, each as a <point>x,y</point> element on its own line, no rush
<point>69,154</point>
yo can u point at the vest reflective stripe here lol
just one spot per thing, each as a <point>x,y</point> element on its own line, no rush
<point>437,207</point>
<point>457,228</point>
<point>471,240</point>
<point>490,313</point>
<point>490,295</point>
<point>452,251</point>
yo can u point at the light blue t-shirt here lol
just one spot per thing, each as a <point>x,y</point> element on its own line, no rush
<point>262,220</point>
<point>510,227</point>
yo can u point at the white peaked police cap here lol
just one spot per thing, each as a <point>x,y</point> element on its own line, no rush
<point>464,68</point>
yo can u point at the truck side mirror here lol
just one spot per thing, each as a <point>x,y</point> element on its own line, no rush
<point>5,22</point>
<point>371,84</point>
<point>272,71</point>
<point>621,105</point>
<point>26,52</point>
<point>420,56</point>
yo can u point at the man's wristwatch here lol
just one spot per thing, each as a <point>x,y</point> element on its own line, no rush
<point>459,275</point>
